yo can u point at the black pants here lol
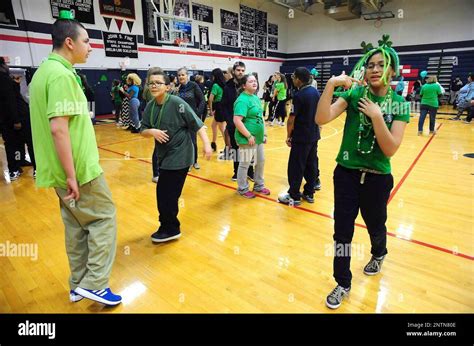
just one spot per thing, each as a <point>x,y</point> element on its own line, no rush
<point>303,162</point>
<point>154,162</point>
<point>194,140</point>
<point>470,115</point>
<point>27,138</point>
<point>12,139</point>
<point>235,150</point>
<point>168,190</point>
<point>351,193</point>
<point>117,107</point>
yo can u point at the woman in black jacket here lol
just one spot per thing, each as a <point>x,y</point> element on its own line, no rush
<point>192,94</point>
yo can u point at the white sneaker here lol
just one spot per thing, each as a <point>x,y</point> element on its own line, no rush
<point>155,179</point>
<point>196,166</point>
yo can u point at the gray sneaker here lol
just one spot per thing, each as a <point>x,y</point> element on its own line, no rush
<point>374,266</point>
<point>286,199</point>
<point>155,179</point>
<point>334,299</point>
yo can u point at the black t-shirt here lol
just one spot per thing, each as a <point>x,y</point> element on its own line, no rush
<point>305,103</point>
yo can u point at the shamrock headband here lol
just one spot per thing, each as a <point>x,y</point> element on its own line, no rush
<point>389,54</point>
<point>66,14</point>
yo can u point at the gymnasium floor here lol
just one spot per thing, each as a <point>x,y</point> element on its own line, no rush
<point>239,255</point>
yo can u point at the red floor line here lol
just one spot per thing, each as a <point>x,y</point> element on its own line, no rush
<point>418,242</point>
<point>400,183</point>
<point>128,140</point>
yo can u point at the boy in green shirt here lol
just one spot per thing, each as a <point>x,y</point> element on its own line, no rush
<point>68,160</point>
<point>172,122</point>
<point>375,124</point>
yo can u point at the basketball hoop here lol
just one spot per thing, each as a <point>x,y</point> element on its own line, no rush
<point>182,44</point>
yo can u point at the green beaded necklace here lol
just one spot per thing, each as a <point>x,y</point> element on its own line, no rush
<point>365,125</point>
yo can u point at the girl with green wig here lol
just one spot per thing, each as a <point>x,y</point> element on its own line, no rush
<point>374,126</point>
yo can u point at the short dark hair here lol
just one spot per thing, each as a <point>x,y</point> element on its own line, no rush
<point>238,64</point>
<point>64,28</point>
<point>303,74</point>
<point>159,72</point>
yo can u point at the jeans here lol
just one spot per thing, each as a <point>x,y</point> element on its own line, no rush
<point>423,111</point>
<point>352,193</point>
<point>134,109</point>
<point>246,154</point>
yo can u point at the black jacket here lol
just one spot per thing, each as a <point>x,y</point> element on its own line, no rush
<point>192,94</point>
<point>8,101</point>
<point>228,98</point>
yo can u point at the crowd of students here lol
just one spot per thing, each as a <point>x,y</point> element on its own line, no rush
<point>67,156</point>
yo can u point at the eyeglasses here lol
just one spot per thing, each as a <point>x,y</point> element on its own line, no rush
<point>155,84</point>
<point>371,66</point>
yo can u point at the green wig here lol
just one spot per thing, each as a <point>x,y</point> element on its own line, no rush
<point>389,54</point>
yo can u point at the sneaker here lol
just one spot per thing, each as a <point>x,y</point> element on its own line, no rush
<point>263,191</point>
<point>308,198</point>
<point>248,194</point>
<point>334,299</point>
<point>432,132</point>
<point>134,130</point>
<point>272,122</point>
<point>74,297</point>
<point>196,166</point>
<point>317,186</point>
<point>214,146</point>
<point>164,236</point>
<point>104,296</point>
<point>282,124</point>
<point>420,133</point>
<point>286,199</point>
<point>374,266</point>
<point>466,122</point>
<point>155,179</point>
<point>455,118</point>
<point>34,174</point>
<point>14,175</point>
<point>234,177</point>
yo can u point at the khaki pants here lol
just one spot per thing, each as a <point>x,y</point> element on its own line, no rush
<point>91,234</point>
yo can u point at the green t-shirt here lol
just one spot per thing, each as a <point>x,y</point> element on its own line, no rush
<point>217,91</point>
<point>250,108</point>
<point>180,121</point>
<point>55,92</point>
<point>280,87</point>
<point>116,95</point>
<point>429,94</point>
<point>349,156</point>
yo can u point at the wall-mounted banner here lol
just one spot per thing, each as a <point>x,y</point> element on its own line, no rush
<point>149,29</point>
<point>247,19</point>
<point>229,20</point>
<point>121,9</point>
<point>261,46</point>
<point>230,38</point>
<point>181,8</point>
<point>260,23</point>
<point>120,45</point>
<point>273,29</point>
<point>203,13</point>
<point>7,15</point>
<point>247,44</point>
<point>204,43</point>
<point>272,43</point>
<point>83,10</point>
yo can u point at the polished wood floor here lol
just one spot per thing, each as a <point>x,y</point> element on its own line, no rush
<point>239,255</point>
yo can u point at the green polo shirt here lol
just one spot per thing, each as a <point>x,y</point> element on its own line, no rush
<point>56,92</point>
<point>180,121</point>
<point>429,94</point>
<point>349,156</point>
<point>250,108</point>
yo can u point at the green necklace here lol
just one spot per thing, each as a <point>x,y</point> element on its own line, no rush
<point>365,123</point>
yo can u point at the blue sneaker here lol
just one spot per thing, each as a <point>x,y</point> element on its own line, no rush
<point>104,296</point>
<point>74,297</point>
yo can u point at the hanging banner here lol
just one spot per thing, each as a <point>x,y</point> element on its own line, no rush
<point>121,9</point>
<point>272,43</point>
<point>203,13</point>
<point>181,8</point>
<point>230,38</point>
<point>204,43</point>
<point>149,29</point>
<point>83,10</point>
<point>229,20</point>
<point>120,45</point>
